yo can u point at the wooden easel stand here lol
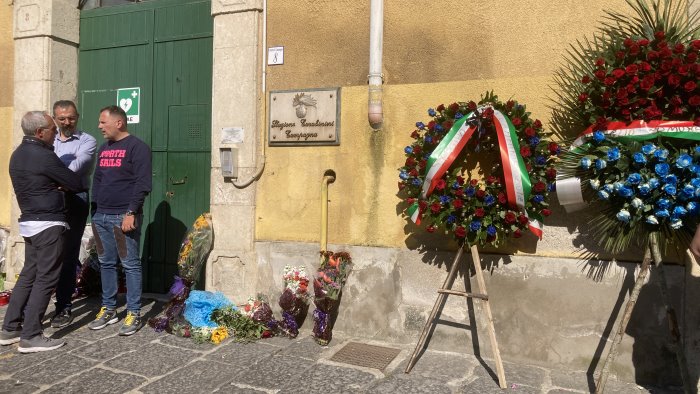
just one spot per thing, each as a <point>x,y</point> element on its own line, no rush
<point>443,292</point>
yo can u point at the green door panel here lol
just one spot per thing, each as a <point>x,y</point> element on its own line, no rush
<point>163,47</point>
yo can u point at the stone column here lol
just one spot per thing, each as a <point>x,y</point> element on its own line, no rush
<point>46,69</point>
<point>236,102</point>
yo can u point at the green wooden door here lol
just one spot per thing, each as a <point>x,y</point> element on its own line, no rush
<point>163,47</point>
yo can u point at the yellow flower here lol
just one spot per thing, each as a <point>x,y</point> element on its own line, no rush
<point>218,335</point>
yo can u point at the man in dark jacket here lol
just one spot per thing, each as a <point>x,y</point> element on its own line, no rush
<point>38,178</point>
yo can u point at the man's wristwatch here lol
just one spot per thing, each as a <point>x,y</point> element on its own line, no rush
<point>130,213</point>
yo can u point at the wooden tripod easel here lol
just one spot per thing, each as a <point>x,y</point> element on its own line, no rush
<point>442,296</point>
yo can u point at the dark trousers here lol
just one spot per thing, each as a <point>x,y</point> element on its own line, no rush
<point>31,294</point>
<point>78,209</point>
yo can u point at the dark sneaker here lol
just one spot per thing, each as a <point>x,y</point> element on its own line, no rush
<point>62,319</point>
<point>104,318</point>
<point>9,337</point>
<point>39,343</point>
<point>132,323</point>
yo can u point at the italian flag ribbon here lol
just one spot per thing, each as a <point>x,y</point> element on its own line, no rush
<point>517,180</point>
<point>569,189</point>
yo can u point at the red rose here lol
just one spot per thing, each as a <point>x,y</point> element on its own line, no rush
<point>644,66</point>
<point>631,69</point>
<point>539,187</point>
<point>430,229</point>
<point>454,107</point>
<point>440,107</point>
<point>586,79</point>
<point>502,198</point>
<point>490,180</point>
<point>431,125</point>
<point>628,42</point>
<point>691,58</point>
<point>530,132</point>
<point>460,180</point>
<point>440,184</point>
<point>643,42</point>
<point>537,124</point>
<point>551,173</point>
<point>618,73</point>
<point>659,35</point>
<point>609,81</point>
<point>415,135</point>
<point>410,201</point>
<point>480,194</point>
<point>620,55</point>
<point>682,69</point>
<point>510,104</point>
<point>599,62</point>
<point>435,207</point>
<point>457,203</point>
<point>479,213</point>
<point>695,44</point>
<point>676,101</point>
<point>447,125</point>
<point>651,55</point>
<point>582,97</point>
<point>417,150</point>
<point>471,105</point>
<point>422,163</point>
<point>401,185</point>
<point>689,86</point>
<point>422,205</point>
<point>510,217</point>
<point>460,232</point>
<point>553,148</point>
<point>678,48</point>
<point>517,122</point>
<point>413,172</point>
<point>525,151</point>
<point>674,79</point>
<point>546,212</point>
<point>523,219</point>
<point>410,162</point>
<point>600,74</point>
<point>473,182</point>
<point>459,192</point>
<point>634,50</point>
<point>694,101</point>
<point>517,233</point>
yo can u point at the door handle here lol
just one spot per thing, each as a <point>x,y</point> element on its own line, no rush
<point>179,182</point>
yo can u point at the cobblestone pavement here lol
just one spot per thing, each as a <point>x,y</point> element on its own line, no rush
<point>150,362</point>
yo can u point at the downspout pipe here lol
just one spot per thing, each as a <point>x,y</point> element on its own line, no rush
<point>375,112</point>
<point>328,177</point>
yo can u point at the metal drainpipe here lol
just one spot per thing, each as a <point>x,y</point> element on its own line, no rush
<point>375,113</point>
<point>328,177</point>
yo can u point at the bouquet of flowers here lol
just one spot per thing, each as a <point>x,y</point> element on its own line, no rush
<point>294,300</point>
<point>328,285</point>
<point>258,310</point>
<point>193,254</point>
<point>633,90</point>
<point>437,184</point>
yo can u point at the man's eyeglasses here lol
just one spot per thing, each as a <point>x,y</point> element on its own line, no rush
<point>68,118</point>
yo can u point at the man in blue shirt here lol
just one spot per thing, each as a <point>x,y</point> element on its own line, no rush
<point>76,149</point>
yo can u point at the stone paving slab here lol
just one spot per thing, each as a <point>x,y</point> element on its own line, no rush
<point>98,381</point>
<point>234,388</point>
<point>272,372</point>
<point>439,365</point>
<point>13,361</point>
<point>152,360</point>
<point>322,378</point>
<point>15,387</point>
<point>242,354</point>
<point>197,377</point>
<point>400,384</point>
<point>110,347</point>
<point>54,370</point>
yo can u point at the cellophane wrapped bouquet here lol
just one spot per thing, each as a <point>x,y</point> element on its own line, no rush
<point>193,254</point>
<point>294,300</point>
<point>328,286</point>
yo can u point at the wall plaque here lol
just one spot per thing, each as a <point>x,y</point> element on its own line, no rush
<point>304,117</point>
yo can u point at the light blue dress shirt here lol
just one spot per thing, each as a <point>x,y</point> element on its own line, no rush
<point>77,153</point>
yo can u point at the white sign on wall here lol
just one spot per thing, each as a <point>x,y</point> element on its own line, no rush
<point>275,56</point>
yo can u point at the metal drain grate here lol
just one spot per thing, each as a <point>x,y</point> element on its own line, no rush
<point>364,355</point>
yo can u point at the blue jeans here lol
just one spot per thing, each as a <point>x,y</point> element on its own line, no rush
<point>113,245</point>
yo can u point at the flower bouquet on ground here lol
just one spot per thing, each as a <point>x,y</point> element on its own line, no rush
<point>259,311</point>
<point>193,254</point>
<point>294,300</point>
<point>328,285</point>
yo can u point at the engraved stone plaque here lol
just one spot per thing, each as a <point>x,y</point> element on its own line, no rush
<point>304,117</point>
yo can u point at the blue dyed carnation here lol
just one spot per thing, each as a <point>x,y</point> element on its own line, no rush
<point>669,189</point>
<point>653,183</point>
<point>534,141</point>
<point>662,213</point>
<point>691,206</point>
<point>439,128</point>
<point>672,179</point>
<point>431,112</point>
<point>475,225</point>
<point>469,191</point>
<point>614,154</point>
<point>684,161</point>
<point>639,158</point>
<point>598,136</point>
<point>648,149</point>
<point>663,203</point>
<point>644,189</point>
<point>600,164</point>
<point>491,230</point>
<point>688,190</point>
<point>608,188</point>
<point>661,169</point>
<point>540,160</point>
<point>420,125</point>
<point>623,216</point>
<point>444,199</point>
<point>537,198</point>
<point>404,176</point>
<point>408,150</point>
<point>661,154</point>
<point>679,211</point>
<point>416,182</point>
<point>634,179</point>
<point>585,163</point>
<point>625,191</point>
<point>458,115</point>
<point>603,195</point>
<point>428,139</point>
<point>676,223</point>
<point>451,219</point>
<point>489,200</point>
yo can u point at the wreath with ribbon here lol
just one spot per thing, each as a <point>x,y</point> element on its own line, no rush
<point>633,90</point>
<point>441,189</point>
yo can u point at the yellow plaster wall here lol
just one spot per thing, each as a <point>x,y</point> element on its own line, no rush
<point>6,103</point>
<point>434,52</point>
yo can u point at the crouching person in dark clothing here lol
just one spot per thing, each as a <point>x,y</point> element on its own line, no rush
<point>38,178</point>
